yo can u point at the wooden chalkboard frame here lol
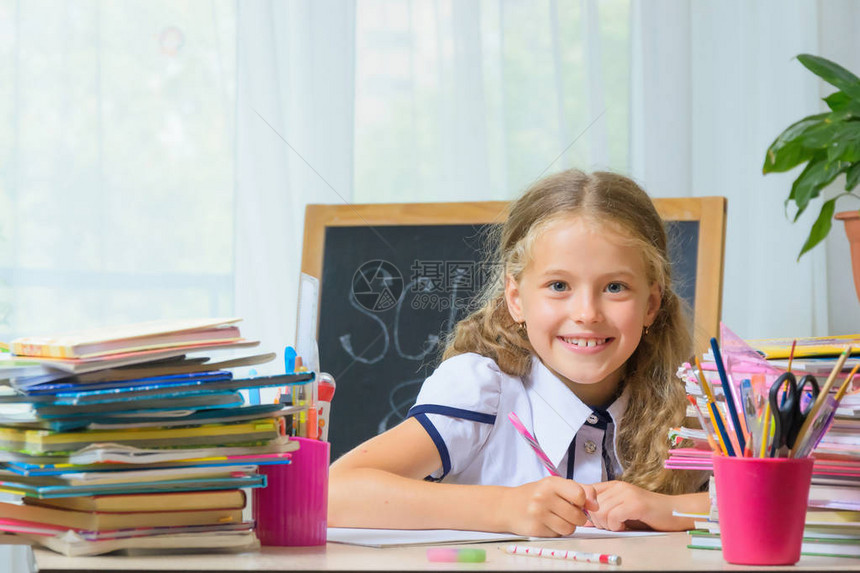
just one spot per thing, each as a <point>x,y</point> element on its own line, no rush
<point>710,212</point>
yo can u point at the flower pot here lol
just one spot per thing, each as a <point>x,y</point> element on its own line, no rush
<point>852,229</point>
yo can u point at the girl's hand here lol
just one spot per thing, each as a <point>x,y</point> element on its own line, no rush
<point>550,507</point>
<point>625,506</point>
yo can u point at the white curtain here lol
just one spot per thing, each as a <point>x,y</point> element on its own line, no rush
<point>714,84</point>
<point>294,146</point>
<point>408,101</point>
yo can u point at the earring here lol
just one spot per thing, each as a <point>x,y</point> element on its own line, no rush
<point>521,326</point>
<point>646,330</point>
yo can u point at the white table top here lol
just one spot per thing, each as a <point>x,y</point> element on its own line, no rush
<point>664,552</point>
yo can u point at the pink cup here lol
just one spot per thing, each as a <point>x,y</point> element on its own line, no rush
<point>762,506</point>
<point>291,510</point>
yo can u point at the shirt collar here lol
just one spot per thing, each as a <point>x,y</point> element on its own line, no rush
<point>557,413</point>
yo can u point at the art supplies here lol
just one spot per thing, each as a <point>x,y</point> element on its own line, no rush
<point>823,397</point>
<point>292,509</point>
<point>705,427</point>
<point>727,392</point>
<point>783,417</point>
<point>532,442</point>
<point>762,508</point>
<point>532,551</point>
<point>458,555</point>
<point>789,415</point>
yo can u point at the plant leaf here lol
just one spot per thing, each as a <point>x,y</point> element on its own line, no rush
<point>820,136</point>
<point>786,151</point>
<point>832,73</point>
<point>820,228</point>
<point>852,177</point>
<point>844,149</point>
<point>817,174</point>
<point>837,100</point>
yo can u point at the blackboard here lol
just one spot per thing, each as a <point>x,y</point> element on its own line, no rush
<point>390,293</point>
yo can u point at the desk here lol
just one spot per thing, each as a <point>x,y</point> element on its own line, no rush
<point>664,552</point>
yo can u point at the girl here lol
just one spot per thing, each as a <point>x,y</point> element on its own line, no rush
<point>580,335</point>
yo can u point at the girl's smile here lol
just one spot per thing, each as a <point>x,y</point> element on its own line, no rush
<point>585,299</point>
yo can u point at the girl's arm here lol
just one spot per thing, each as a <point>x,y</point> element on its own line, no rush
<point>380,484</point>
<point>626,506</point>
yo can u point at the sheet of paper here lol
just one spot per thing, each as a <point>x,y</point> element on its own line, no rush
<point>400,537</point>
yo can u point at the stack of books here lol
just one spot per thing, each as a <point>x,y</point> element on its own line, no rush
<point>833,518</point>
<point>128,437</point>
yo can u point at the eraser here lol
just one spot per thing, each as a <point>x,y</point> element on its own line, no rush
<point>461,555</point>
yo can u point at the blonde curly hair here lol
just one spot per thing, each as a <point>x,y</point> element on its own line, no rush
<point>656,397</point>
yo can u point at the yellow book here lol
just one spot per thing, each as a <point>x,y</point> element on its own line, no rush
<point>806,347</point>
<point>151,335</point>
<point>96,521</point>
<point>38,441</point>
<point>124,503</point>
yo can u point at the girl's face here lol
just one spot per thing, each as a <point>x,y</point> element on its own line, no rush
<point>585,298</point>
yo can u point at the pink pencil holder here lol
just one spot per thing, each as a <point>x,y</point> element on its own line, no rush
<point>762,506</point>
<point>291,510</point>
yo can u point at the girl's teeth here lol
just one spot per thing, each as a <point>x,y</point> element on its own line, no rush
<point>587,342</point>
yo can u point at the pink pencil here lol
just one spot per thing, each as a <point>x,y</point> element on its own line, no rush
<point>515,420</point>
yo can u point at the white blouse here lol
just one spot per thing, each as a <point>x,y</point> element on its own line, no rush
<point>464,407</point>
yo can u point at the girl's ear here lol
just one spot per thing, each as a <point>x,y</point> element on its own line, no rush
<point>655,296</point>
<point>512,297</point>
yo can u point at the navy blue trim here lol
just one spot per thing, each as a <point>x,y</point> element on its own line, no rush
<point>440,444</point>
<point>607,459</point>
<point>603,419</point>
<point>452,412</point>
<point>571,457</point>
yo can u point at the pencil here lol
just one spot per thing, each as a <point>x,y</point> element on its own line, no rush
<point>822,397</point>
<point>828,414</point>
<point>707,430</point>
<point>721,429</point>
<point>844,388</point>
<point>533,551</point>
<point>791,354</point>
<point>706,387</point>
<point>710,394</point>
<point>727,390</point>
<point>765,430</point>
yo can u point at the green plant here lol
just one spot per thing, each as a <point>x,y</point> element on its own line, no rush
<point>829,144</point>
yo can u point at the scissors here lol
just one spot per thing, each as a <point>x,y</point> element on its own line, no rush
<point>788,413</point>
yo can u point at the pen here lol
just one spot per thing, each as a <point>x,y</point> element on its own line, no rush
<point>532,551</point>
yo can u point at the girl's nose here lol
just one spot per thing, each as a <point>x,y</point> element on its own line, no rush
<point>586,309</point>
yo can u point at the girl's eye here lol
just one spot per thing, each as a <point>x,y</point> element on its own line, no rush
<point>615,288</point>
<point>558,286</point>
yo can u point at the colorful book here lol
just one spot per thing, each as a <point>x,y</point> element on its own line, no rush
<point>73,545</point>
<point>822,546</point>
<point>125,503</point>
<point>37,442</point>
<point>85,365</point>
<point>17,486</point>
<point>151,335</point>
<point>96,521</point>
<point>806,346</point>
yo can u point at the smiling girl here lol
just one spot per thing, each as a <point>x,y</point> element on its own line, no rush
<point>580,335</point>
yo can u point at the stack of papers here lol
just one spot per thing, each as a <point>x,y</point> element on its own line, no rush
<point>127,437</point>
